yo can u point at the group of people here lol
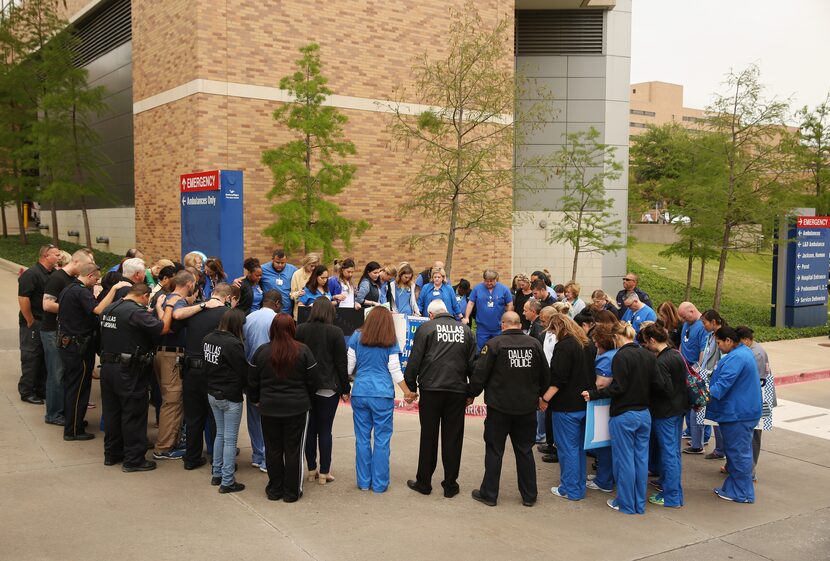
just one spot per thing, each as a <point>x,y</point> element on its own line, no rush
<point>201,347</point>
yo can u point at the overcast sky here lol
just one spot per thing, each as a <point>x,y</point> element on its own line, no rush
<point>695,43</point>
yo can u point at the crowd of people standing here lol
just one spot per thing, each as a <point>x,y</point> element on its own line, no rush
<point>201,347</point>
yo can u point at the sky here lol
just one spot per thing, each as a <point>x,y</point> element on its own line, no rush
<point>695,43</point>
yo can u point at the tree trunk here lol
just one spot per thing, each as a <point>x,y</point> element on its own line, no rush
<point>575,265</point>
<point>455,201</point>
<point>702,272</point>
<point>724,253</point>
<point>54,212</point>
<point>688,290</point>
<point>5,226</point>
<point>24,239</point>
<point>87,234</point>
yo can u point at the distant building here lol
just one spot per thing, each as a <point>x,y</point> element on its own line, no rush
<point>658,103</point>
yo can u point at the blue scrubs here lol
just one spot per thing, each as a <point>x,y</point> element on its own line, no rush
<point>280,281</point>
<point>637,318</point>
<point>605,467</point>
<point>403,300</point>
<point>373,404</point>
<point>630,432</point>
<point>569,434</point>
<point>735,403</point>
<point>490,306</point>
<point>692,341</point>
<point>308,297</point>
<point>445,294</point>
<point>667,434</point>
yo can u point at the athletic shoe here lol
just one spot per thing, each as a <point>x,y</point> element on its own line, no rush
<point>612,503</point>
<point>595,487</point>
<point>658,500</point>
<point>692,450</point>
<point>724,497</point>
<point>232,488</point>
<point>656,485</point>
<point>714,456</point>
<point>263,468</point>
<point>177,454</point>
<point>555,491</point>
<point>216,481</point>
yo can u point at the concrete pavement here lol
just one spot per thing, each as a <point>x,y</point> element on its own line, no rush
<point>58,501</point>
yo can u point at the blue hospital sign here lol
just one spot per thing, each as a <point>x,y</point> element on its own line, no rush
<point>806,258</point>
<point>211,216</point>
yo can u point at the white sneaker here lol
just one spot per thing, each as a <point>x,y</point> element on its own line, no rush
<point>555,491</point>
<point>591,477</point>
<point>263,468</point>
<point>595,487</point>
<point>612,503</point>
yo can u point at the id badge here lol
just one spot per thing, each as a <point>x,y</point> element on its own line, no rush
<point>490,304</point>
<point>436,293</point>
<point>279,282</point>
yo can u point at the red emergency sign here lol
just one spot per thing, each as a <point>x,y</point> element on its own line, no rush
<point>201,181</point>
<point>813,222</point>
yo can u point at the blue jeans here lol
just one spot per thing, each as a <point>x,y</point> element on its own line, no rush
<point>320,422</point>
<point>737,443</point>
<point>699,433</point>
<point>228,415</point>
<point>541,434</point>
<point>372,415</point>
<point>569,432</point>
<point>718,442</point>
<point>630,432</point>
<point>54,375</point>
<point>668,432</point>
<point>255,433</point>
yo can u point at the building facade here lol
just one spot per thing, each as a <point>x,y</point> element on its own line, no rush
<point>202,76</point>
<point>658,103</point>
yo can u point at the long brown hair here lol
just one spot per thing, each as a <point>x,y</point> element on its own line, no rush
<point>284,349</point>
<point>564,327</point>
<point>379,329</point>
<point>668,312</point>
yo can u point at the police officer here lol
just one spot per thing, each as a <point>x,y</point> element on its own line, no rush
<point>442,359</point>
<point>197,412</point>
<point>127,344</point>
<point>513,372</point>
<point>77,342</point>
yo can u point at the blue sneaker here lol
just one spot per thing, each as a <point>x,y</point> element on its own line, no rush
<point>176,454</point>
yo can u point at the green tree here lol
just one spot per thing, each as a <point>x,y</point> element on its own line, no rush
<point>748,129</point>
<point>812,153</point>
<point>588,222</point>
<point>467,180</point>
<point>308,169</point>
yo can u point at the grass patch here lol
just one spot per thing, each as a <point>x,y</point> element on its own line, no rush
<point>746,294</point>
<point>26,255</point>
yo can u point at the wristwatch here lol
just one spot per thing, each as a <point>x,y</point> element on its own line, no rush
<point>202,305</point>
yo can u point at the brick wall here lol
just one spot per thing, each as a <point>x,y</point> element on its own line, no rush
<point>367,51</point>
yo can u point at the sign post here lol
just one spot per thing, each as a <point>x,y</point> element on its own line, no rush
<point>802,284</point>
<point>212,217</point>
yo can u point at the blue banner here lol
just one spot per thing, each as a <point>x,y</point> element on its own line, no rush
<point>412,325</point>
<point>809,267</point>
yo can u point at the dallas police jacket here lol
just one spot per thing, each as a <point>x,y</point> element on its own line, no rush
<point>442,357</point>
<point>513,373</point>
<point>225,366</point>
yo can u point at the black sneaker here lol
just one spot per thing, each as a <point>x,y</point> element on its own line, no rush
<point>551,458</point>
<point>81,436</point>
<point>412,484</point>
<point>146,465</point>
<point>545,449</point>
<point>451,491</point>
<point>477,496</point>
<point>195,465</point>
<point>59,421</point>
<point>528,503</point>
<point>216,481</point>
<point>692,450</point>
<point>235,487</point>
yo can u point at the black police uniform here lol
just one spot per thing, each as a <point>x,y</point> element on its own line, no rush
<point>513,373</point>
<point>442,358</point>
<point>77,342</point>
<point>127,332</point>
<point>197,413</point>
<point>32,382</point>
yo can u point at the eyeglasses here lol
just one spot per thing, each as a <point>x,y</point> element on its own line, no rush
<point>628,279</point>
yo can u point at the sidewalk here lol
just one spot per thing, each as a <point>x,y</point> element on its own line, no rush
<point>799,360</point>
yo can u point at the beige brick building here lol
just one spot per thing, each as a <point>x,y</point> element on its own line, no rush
<point>658,103</point>
<point>202,87</point>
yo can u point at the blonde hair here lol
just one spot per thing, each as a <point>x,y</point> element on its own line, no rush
<point>561,307</point>
<point>563,326</point>
<point>625,330</point>
<point>64,259</point>
<point>546,314</point>
<point>391,270</point>
<point>190,259</point>
<point>309,259</point>
<point>574,287</point>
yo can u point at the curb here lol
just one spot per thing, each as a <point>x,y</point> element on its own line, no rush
<point>10,266</point>
<point>803,377</point>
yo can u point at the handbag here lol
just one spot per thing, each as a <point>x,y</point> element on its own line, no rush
<point>696,387</point>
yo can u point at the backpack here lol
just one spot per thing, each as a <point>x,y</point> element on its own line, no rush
<point>696,387</point>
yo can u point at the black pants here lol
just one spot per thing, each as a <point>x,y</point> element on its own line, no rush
<point>32,363</point>
<point>522,432</point>
<point>197,413</point>
<point>549,426</point>
<point>78,363</point>
<point>444,411</point>
<point>284,442</point>
<point>124,401</point>
<point>320,422</point>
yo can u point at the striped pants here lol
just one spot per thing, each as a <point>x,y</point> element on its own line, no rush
<point>284,444</point>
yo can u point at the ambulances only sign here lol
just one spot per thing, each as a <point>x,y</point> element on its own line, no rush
<point>202,181</point>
